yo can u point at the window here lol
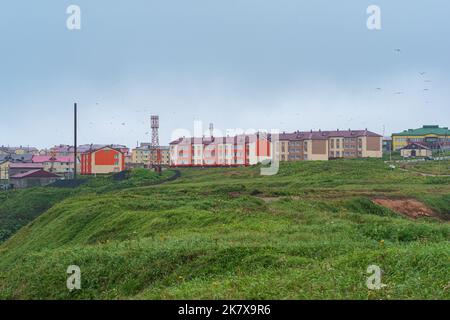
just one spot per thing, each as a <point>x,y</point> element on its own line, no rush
<point>337,143</point>
<point>332,143</point>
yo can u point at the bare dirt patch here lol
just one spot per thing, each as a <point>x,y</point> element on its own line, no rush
<point>269,199</point>
<point>408,207</point>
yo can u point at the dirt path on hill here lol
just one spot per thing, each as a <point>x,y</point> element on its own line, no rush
<point>425,174</point>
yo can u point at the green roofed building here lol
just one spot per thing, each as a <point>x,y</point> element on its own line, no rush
<point>433,136</point>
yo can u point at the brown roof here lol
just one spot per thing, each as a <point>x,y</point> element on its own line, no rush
<point>95,149</point>
<point>210,140</point>
<point>297,135</point>
<point>423,146</point>
<point>322,135</point>
<point>27,165</point>
<point>38,173</point>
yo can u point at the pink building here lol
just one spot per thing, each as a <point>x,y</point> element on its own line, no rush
<point>62,165</point>
<point>241,150</point>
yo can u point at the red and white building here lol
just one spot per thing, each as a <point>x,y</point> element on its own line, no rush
<point>240,150</point>
<point>102,160</point>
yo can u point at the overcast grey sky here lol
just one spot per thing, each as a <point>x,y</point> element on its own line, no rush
<point>285,64</point>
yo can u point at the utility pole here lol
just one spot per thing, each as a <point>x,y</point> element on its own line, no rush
<point>75,141</point>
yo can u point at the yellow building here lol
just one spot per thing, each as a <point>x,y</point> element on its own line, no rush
<point>431,135</point>
<point>4,167</point>
<point>325,145</point>
<point>143,154</point>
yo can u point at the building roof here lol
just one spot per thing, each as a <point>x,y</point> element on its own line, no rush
<point>41,159</point>
<point>415,145</point>
<point>148,146</point>
<point>297,135</point>
<point>27,165</point>
<point>91,150</point>
<point>37,173</point>
<point>14,149</point>
<point>323,135</point>
<point>426,129</point>
<point>16,157</point>
<point>213,140</point>
<point>85,147</point>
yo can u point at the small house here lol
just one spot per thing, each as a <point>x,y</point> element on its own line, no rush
<point>33,178</point>
<point>415,149</point>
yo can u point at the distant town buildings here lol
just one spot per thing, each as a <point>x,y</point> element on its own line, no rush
<point>295,146</point>
<point>326,145</point>
<point>44,166</point>
<point>29,163</point>
<point>18,150</point>
<point>16,157</point>
<point>7,159</point>
<point>432,136</point>
<point>68,151</point>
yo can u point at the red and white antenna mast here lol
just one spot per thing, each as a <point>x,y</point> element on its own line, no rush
<point>155,157</point>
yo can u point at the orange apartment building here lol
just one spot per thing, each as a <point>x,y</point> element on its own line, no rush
<point>326,145</point>
<point>103,160</point>
<point>241,150</point>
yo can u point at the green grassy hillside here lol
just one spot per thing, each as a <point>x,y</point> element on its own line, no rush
<point>19,207</point>
<point>309,232</point>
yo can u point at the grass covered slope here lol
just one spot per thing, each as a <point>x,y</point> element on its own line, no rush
<point>19,207</point>
<point>309,232</point>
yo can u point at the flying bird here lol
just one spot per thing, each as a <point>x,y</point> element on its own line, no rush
<point>398,50</point>
<point>378,88</point>
<point>422,73</point>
